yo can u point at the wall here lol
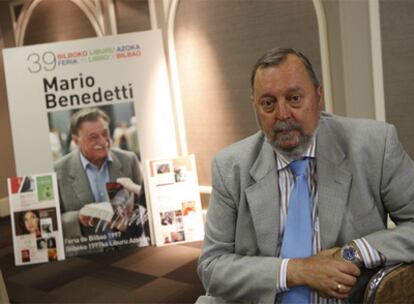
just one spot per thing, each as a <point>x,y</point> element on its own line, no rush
<point>350,55</point>
<point>217,43</point>
<point>7,167</point>
<point>397,30</point>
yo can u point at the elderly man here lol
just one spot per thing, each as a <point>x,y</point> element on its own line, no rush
<point>298,212</point>
<point>82,177</point>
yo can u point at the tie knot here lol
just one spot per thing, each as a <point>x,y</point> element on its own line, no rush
<point>299,166</point>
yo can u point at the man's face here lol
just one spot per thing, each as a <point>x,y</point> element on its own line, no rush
<point>287,105</point>
<point>93,140</point>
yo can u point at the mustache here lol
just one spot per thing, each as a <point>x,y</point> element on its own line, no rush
<point>104,146</point>
<point>286,125</point>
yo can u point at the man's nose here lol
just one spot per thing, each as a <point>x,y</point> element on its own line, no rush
<point>283,110</point>
<point>103,140</point>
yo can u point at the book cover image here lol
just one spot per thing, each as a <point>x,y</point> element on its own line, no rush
<point>35,219</point>
<point>21,184</point>
<point>45,188</point>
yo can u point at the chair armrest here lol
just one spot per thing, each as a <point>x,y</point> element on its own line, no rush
<point>391,284</point>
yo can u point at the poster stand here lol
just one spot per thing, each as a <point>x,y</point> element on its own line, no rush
<point>175,200</point>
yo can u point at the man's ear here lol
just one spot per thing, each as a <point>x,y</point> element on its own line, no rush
<point>252,96</point>
<point>321,100</point>
<point>75,139</point>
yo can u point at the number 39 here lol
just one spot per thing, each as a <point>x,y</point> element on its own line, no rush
<point>37,62</point>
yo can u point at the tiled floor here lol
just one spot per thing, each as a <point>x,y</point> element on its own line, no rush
<point>139,275</point>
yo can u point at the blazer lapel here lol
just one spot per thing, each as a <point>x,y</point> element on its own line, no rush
<point>80,181</point>
<point>334,180</point>
<point>115,169</point>
<point>263,200</point>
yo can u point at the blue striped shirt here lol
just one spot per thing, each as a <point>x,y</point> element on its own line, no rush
<point>370,255</point>
<point>97,177</point>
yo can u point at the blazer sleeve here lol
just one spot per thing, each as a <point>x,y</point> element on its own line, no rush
<point>224,272</point>
<point>397,193</point>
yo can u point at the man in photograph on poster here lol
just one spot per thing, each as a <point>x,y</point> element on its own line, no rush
<point>82,177</point>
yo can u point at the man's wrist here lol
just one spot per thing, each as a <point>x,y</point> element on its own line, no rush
<point>295,272</point>
<point>351,253</point>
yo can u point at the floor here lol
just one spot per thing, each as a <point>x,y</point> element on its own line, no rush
<point>139,275</point>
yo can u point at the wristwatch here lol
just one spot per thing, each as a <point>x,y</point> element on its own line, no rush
<point>350,253</point>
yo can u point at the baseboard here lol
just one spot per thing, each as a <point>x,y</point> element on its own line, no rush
<point>4,207</point>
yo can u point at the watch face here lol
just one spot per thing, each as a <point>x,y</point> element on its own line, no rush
<point>348,253</point>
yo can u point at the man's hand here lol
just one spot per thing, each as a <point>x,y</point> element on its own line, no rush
<point>325,272</point>
<point>87,221</point>
<point>129,185</point>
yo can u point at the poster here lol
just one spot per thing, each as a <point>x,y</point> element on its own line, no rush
<point>52,88</point>
<point>35,219</point>
<point>176,203</point>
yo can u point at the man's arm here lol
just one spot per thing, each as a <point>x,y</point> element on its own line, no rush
<point>397,193</point>
<point>223,272</point>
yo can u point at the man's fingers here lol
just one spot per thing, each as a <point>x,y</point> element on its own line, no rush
<point>349,268</point>
<point>347,279</point>
<point>88,221</point>
<point>341,288</point>
<point>338,291</point>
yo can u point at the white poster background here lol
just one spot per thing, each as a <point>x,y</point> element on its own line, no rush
<point>147,73</point>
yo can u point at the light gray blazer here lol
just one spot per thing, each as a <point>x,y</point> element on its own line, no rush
<point>75,191</point>
<point>363,173</point>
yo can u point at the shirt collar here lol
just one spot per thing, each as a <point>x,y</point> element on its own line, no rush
<point>85,162</point>
<point>282,161</point>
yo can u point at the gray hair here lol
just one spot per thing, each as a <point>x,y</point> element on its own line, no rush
<point>276,56</point>
<point>88,114</point>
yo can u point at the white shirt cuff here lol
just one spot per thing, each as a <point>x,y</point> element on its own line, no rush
<point>281,282</point>
<point>371,257</point>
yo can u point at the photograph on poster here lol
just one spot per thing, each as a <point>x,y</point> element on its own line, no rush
<point>163,168</point>
<point>99,148</point>
<point>122,128</point>
<point>46,225</point>
<point>21,184</point>
<point>167,218</point>
<point>163,173</point>
<point>41,244</point>
<point>44,188</point>
<point>172,226</point>
<point>35,221</point>
<point>189,207</point>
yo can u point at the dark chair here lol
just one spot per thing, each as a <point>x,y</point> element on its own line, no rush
<point>392,284</point>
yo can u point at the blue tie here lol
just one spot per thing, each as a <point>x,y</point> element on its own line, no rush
<point>297,239</point>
